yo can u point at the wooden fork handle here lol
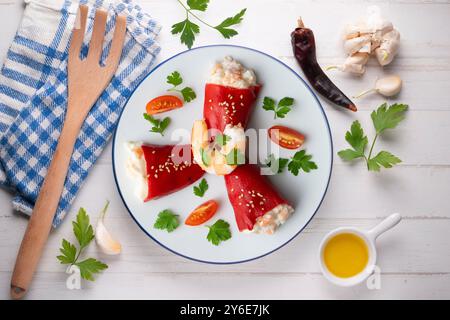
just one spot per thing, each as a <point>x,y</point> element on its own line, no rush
<point>44,210</point>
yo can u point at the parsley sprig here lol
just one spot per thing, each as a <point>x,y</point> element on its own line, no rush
<point>276,165</point>
<point>84,233</point>
<point>218,232</point>
<point>201,189</point>
<point>167,220</point>
<point>176,80</point>
<point>300,161</point>
<point>158,125</point>
<point>383,118</point>
<point>281,109</point>
<point>189,29</point>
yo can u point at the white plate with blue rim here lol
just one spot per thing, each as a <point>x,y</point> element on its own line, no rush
<point>305,191</point>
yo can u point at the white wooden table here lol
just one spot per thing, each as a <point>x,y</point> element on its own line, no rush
<point>414,258</point>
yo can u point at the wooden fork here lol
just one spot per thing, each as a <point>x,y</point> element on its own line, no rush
<point>86,81</point>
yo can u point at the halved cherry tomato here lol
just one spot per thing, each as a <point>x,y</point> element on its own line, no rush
<point>202,213</point>
<point>286,137</point>
<point>163,103</point>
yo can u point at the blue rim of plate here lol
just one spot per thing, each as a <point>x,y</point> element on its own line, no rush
<point>321,109</point>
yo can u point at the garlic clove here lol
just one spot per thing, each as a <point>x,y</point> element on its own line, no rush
<point>366,48</point>
<point>354,64</point>
<point>388,48</point>
<point>105,241</point>
<point>356,69</point>
<point>359,58</point>
<point>389,86</point>
<point>352,46</point>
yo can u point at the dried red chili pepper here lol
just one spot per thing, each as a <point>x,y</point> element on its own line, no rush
<point>304,47</point>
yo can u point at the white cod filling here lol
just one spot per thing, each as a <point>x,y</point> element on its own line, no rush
<point>231,73</point>
<point>274,218</point>
<point>137,169</point>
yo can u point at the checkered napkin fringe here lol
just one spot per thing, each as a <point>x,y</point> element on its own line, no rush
<point>33,95</point>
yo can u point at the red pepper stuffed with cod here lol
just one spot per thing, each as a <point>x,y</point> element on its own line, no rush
<point>258,207</point>
<point>230,95</point>
<point>218,140</point>
<point>159,170</point>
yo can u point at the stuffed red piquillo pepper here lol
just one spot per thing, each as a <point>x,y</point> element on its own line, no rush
<point>257,205</point>
<point>161,169</point>
<point>230,95</point>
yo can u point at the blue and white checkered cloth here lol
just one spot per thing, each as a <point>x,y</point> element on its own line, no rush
<point>33,94</point>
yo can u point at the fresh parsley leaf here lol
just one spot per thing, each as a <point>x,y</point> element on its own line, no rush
<point>388,117</point>
<point>205,157</point>
<point>201,189</point>
<point>222,139</point>
<point>385,117</point>
<point>356,138</point>
<point>200,5</point>
<point>223,27</point>
<point>301,161</point>
<point>268,104</point>
<point>82,228</point>
<point>188,94</point>
<point>158,125</point>
<point>150,119</point>
<point>235,157</point>
<point>178,27</point>
<point>384,159</point>
<point>286,102</point>
<point>69,252</point>
<point>188,30</point>
<point>277,165</point>
<point>90,266</point>
<point>164,124</point>
<point>174,79</point>
<point>167,220</point>
<point>281,109</point>
<point>218,232</point>
<point>349,154</point>
<point>282,112</point>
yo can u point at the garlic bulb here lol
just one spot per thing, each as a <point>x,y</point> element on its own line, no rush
<point>371,34</point>
<point>387,86</point>
<point>105,241</point>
